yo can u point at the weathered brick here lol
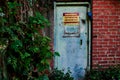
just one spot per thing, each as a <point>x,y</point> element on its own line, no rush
<point>106,31</point>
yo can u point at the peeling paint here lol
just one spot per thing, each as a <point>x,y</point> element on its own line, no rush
<point>72,48</point>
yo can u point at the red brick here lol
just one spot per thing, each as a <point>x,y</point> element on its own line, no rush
<point>106,31</point>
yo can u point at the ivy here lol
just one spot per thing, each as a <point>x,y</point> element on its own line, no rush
<point>26,51</point>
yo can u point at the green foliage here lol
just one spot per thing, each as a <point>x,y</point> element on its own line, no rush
<point>60,75</point>
<point>27,53</point>
<point>112,73</point>
<point>56,54</point>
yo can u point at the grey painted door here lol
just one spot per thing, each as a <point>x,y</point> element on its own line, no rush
<point>70,39</point>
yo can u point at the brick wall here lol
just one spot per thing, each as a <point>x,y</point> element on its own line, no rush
<point>106,33</point>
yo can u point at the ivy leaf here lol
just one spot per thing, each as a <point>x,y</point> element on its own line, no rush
<point>16,45</point>
<point>45,77</point>
<point>34,49</point>
<point>13,5</point>
<point>1,10</point>
<point>44,61</point>
<point>12,61</point>
<point>4,20</point>
<point>48,55</point>
<point>40,22</point>
<point>56,54</point>
<point>34,21</point>
<point>25,55</point>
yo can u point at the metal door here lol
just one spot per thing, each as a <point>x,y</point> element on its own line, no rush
<point>70,39</point>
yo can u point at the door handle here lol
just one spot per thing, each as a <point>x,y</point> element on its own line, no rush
<point>81,42</point>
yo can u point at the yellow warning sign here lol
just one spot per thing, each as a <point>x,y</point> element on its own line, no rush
<point>71,18</point>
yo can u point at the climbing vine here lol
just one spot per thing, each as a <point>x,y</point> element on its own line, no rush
<point>25,53</point>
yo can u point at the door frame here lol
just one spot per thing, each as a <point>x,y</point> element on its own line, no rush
<point>56,4</point>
